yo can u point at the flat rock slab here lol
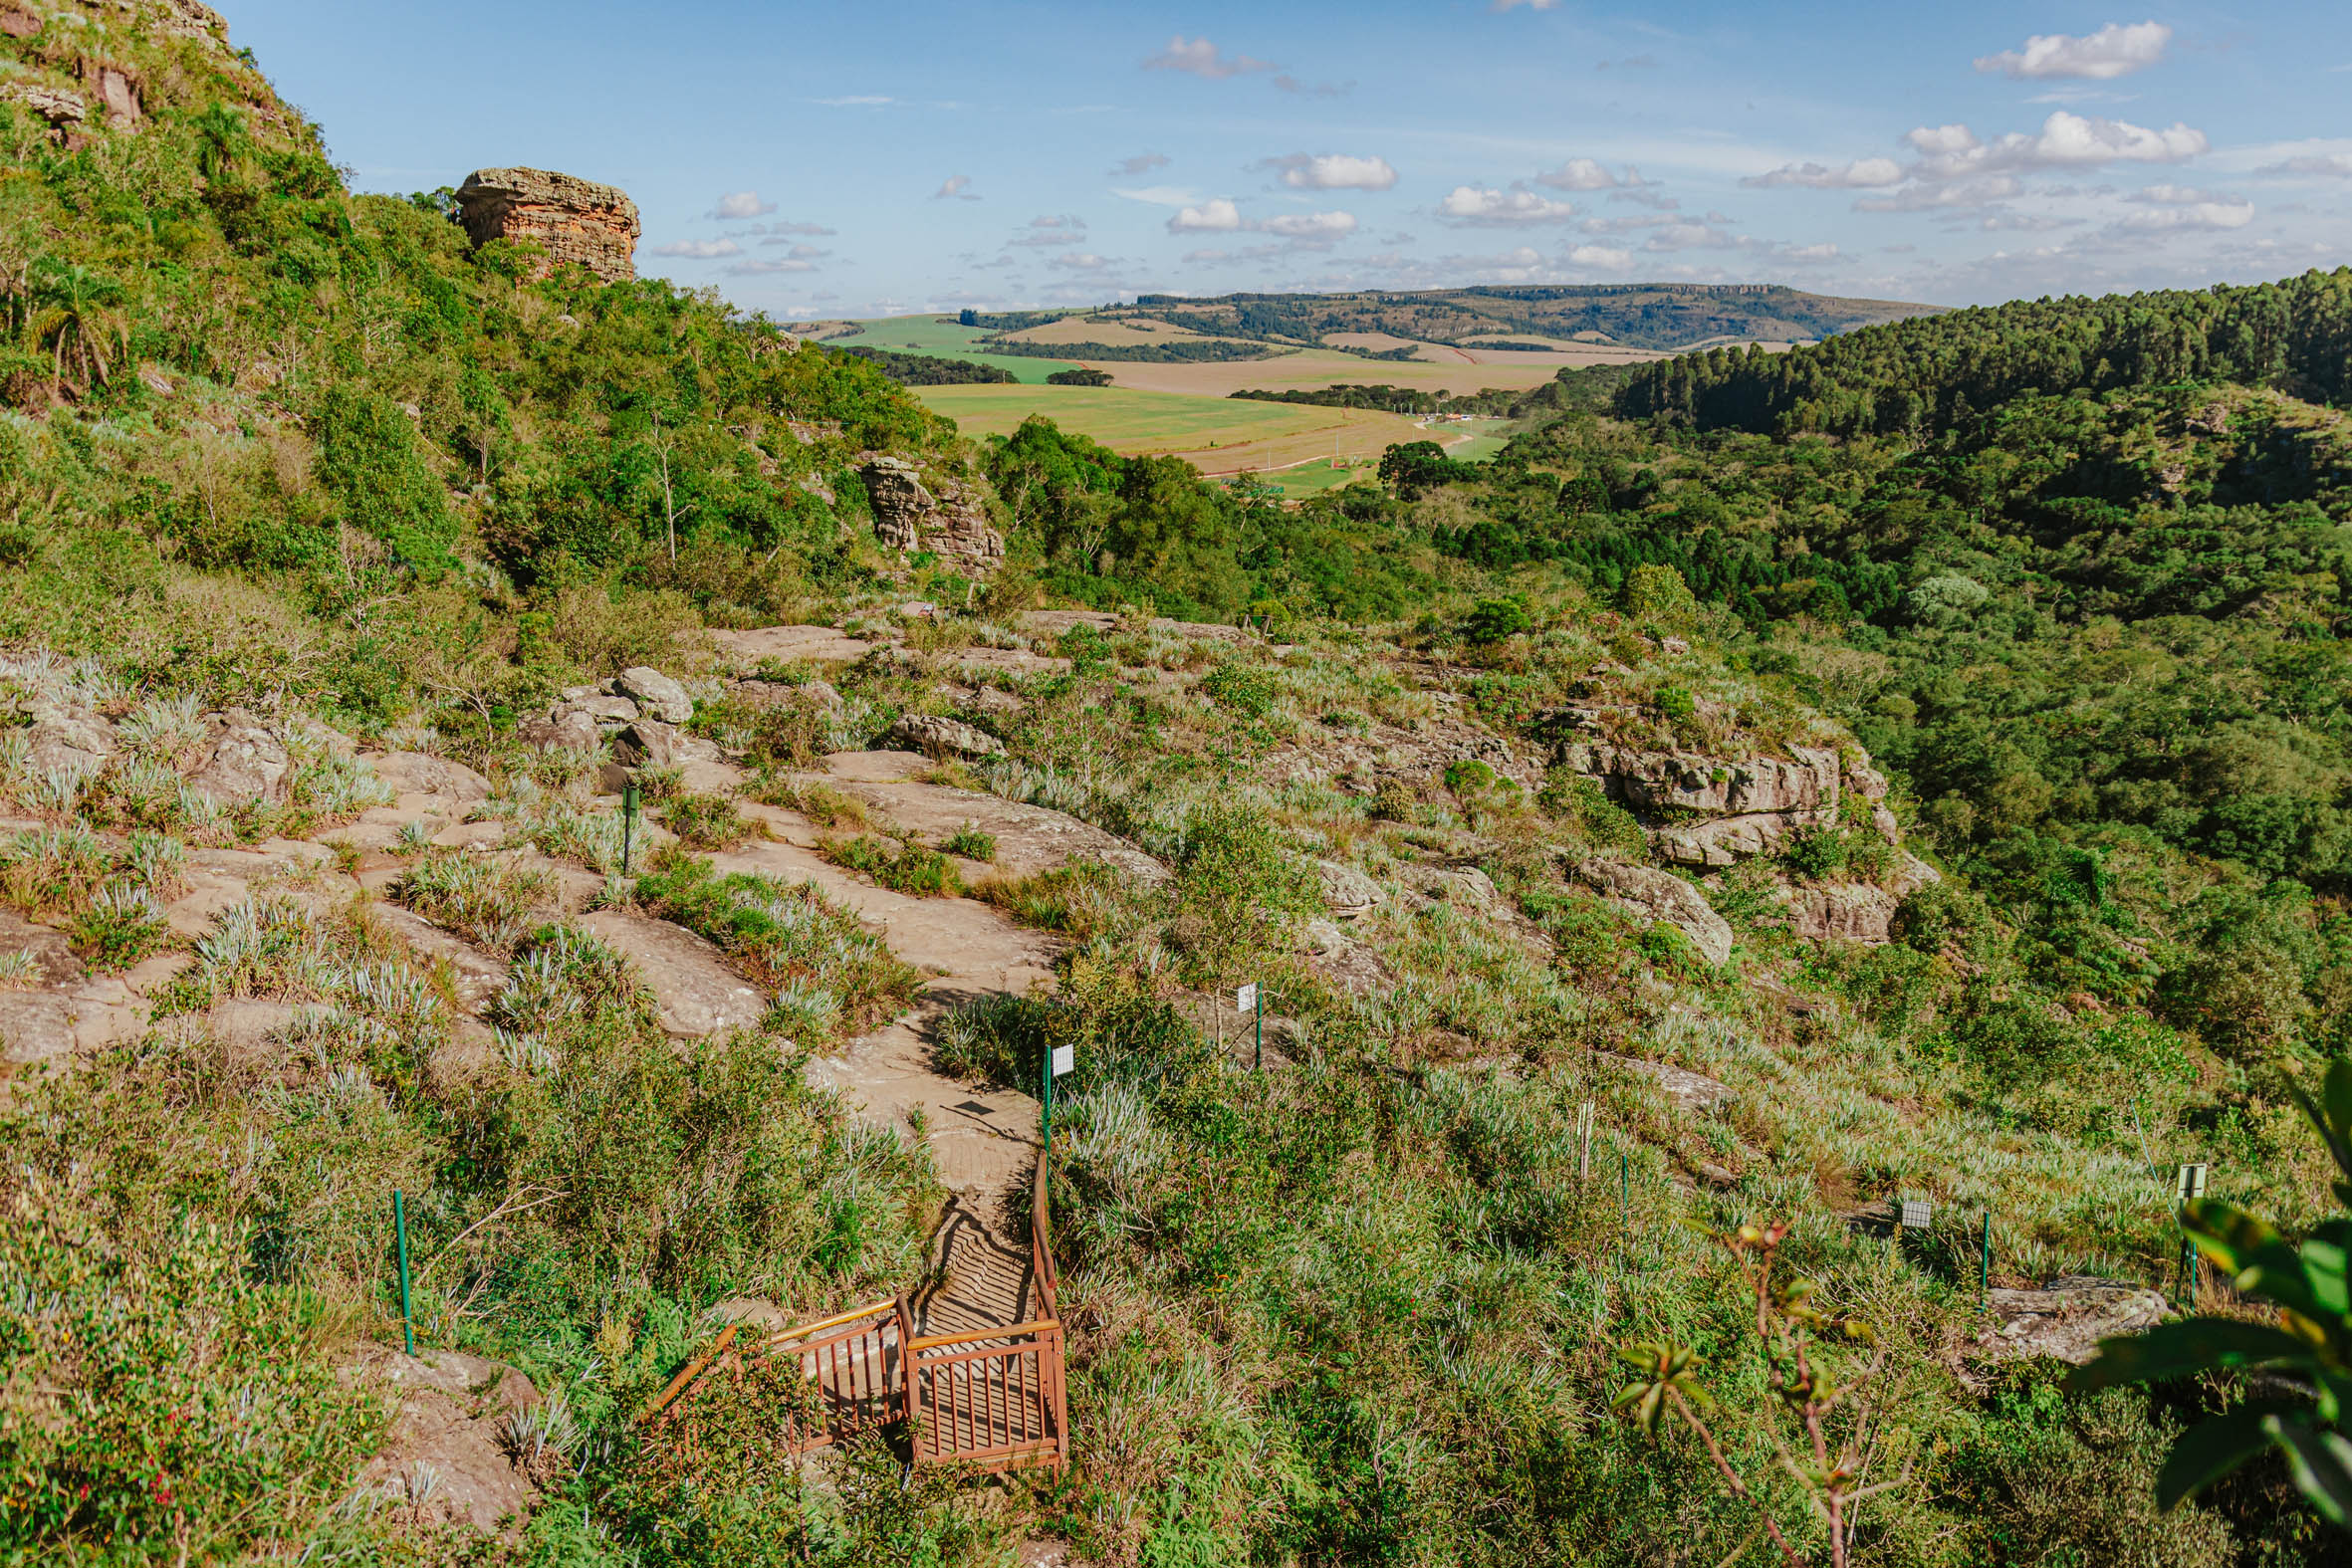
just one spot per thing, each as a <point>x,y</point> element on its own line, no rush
<point>748,648</point>
<point>876,766</point>
<point>1690,1091</point>
<point>981,1139</point>
<point>698,994</point>
<point>944,936</point>
<point>1029,838</point>
<point>2068,1318</point>
<point>52,954</point>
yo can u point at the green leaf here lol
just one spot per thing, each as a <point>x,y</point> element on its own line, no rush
<point>2211,1450</point>
<point>2179,1350</point>
<point>2227,1236</point>
<point>2321,1463</point>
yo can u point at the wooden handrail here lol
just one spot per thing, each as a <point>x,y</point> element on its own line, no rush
<point>973,1336</point>
<point>695,1369</point>
<point>822,1324</point>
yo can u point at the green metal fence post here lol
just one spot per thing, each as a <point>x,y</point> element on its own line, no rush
<point>1261,1000</point>
<point>628,823</point>
<point>1048,1097</point>
<point>1984,1266</point>
<point>400,1240</point>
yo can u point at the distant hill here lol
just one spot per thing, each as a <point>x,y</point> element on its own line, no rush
<point>1655,315</point>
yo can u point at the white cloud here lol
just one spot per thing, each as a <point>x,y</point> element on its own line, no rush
<point>2177,196</point>
<point>2115,50</point>
<point>1199,58</point>
<point>1140,163</point>
<point>1081,261</point>
<point>1062,220</point>
<point>1533,5</point>
<point>741,204</point>
<point>1160,195</point>
<point>1332,171</point>
<point>957,186</point>
<point>817,230</point>
<point>1587,174</point>
<point>2326,166</point>
<point>1315,227</point>
<point>761,268</point>
<point>2206,215</point>
<point>1484,206</point>
<point>856,100</point>
<point>1933,199</point>
<point>2064,141</point>
<point>1208,255</point>
<point>2025,223</point>
<point>1609,257</point>
<point>1861,174</point>
<point>1689,236</point>
<point>699,250</point>
<point>1217,216</point>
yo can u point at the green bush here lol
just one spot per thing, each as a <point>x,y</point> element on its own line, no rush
<point>706,821</point>
<point>973,845</point>
<point>370,462</point>
<point>903,867</point>
<point>1493,620</point>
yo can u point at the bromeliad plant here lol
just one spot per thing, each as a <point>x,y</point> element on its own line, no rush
<point>1839,1433</point>
<point>2308,1342</point>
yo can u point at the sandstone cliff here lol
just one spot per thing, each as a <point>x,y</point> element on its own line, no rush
<point>575,221</point>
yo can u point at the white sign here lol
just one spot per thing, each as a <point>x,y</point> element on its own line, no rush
<point>1246,998</point>
<point>1065,1060</point>
<point>1915,1215</point>
<point>2189,1185</point>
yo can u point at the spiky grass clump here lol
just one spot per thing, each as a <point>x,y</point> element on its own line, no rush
<point>706,821</point>
<point>487,899</point>
<point>903,867</point>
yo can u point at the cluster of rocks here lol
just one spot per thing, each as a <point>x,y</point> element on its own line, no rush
<point>573,220</point>
<point>949,521</point>
<point>2066,1318</point>
<point>639,711</point>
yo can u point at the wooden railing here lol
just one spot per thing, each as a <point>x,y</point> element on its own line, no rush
<point>991,1397</point>
<point>994,1397</point>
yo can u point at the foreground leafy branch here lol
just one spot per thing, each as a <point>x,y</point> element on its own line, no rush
<point>2309,1342</point>
<point>1837,1431</point>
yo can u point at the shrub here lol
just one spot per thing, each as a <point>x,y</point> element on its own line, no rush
<point>706,821</point>
<point>1493,621</point>
<point>821,804</point>
<point>1245,689</point>
<point>901,866</point>
<point>973,845</point>
<point>370,462</point>
<point>1238,885</point>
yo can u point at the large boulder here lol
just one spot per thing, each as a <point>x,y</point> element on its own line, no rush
<point>655,694</point>
<point>414,773</point>
<point>451,1421</point>
<point>1347,892</point>
<point>69,740</point>
<point>1651,895</point>
<point>563,729</point>
<point>248,763</point>
<point>648,743</point>
<point>1652,782</point>
<point>937,737</point>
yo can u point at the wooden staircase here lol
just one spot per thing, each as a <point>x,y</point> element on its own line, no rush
<point>986,1391</point>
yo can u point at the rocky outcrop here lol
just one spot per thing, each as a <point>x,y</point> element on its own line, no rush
<point>1857,912</point>
<point>2068,1318</point>
<point>1651,895</point>
<point>60,107</point>
<point>934,736</point>
<point>576,222</point>
<point>448,1456</point>
<point>1715,811</point>
<point>951,523</point>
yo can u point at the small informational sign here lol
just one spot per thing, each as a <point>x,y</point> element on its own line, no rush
<point>1065,1060</point>
<point>1246,998</point>
<point>1914,1216</point>
<point>2188,1186</point>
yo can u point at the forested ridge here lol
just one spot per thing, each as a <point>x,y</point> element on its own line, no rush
<point>1933,372</point>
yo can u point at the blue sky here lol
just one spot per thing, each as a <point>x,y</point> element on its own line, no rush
<point>858,160</point>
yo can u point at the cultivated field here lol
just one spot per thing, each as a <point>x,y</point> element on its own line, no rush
<point>941,336</point>
<point>1216,435</point>
<point>1458,370</point>
<point>1099,329</point>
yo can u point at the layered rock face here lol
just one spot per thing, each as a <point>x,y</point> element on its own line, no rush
<point>575,221</point>
<point>907,517</point>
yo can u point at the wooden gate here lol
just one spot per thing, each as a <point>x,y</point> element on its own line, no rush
<point>992,1398</point>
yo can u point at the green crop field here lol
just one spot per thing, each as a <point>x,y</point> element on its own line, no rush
<point>944,338</point>
<point>1126,421</point>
